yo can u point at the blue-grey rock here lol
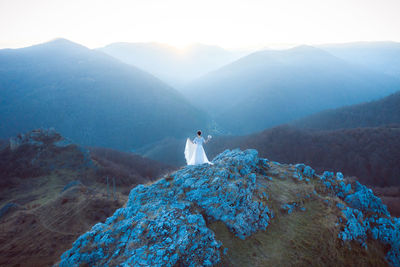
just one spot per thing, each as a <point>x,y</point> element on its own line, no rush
<point>387,230</point>
<point>365,200</point>
<point>289,208</point>
<point>160,226</point>
<point>304,170</point>
<point>356,228</point>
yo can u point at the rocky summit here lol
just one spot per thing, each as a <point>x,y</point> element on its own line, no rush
<point>244,211</point>
<point>42,151</point>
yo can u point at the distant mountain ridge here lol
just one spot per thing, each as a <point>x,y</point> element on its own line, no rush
<point>89,96</point>
<point>378,56</point>
<point>372,114</point>
<point>174,66</point>
<point>268,88</point>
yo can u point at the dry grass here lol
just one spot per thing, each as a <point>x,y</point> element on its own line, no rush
<point>302,238</point>
<point>49,220</point>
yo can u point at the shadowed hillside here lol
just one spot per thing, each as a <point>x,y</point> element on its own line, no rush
<point>372,114</point>
<point>89,96</point>
<point>372,154</point>
<point>127,167</point>
<point>52,191</point>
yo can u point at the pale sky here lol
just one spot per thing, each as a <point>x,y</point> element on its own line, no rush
<point>233,24</point>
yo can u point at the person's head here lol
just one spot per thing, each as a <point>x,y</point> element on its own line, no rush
<point>199,133</point>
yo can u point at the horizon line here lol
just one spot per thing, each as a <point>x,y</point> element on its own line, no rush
<point>266,46</point>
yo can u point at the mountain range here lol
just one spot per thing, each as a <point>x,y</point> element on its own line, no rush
<point>89,96</point>
<point>175,66</point>
<point>268,88</point>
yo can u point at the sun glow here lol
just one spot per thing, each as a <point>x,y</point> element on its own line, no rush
<point>231,24</point>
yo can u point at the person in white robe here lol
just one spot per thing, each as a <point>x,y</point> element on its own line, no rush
<point>194,151</point>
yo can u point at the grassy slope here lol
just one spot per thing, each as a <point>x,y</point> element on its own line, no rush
<point>48,220</point>
<point>301,238</point>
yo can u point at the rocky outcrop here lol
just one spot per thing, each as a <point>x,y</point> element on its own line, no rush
<point>365,217</point>
<point>167,223</point>
<point>40,152</point>
<point>37,137</point>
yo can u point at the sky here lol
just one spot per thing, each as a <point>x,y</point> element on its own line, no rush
<point>232,24</point>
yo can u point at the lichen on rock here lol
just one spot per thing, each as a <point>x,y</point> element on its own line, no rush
<point>165,223</point>
<point>366,217</point>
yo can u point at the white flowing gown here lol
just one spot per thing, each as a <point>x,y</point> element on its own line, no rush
<point>194,152</point>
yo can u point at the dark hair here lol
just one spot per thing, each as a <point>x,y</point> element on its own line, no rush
<point>199,132</point>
